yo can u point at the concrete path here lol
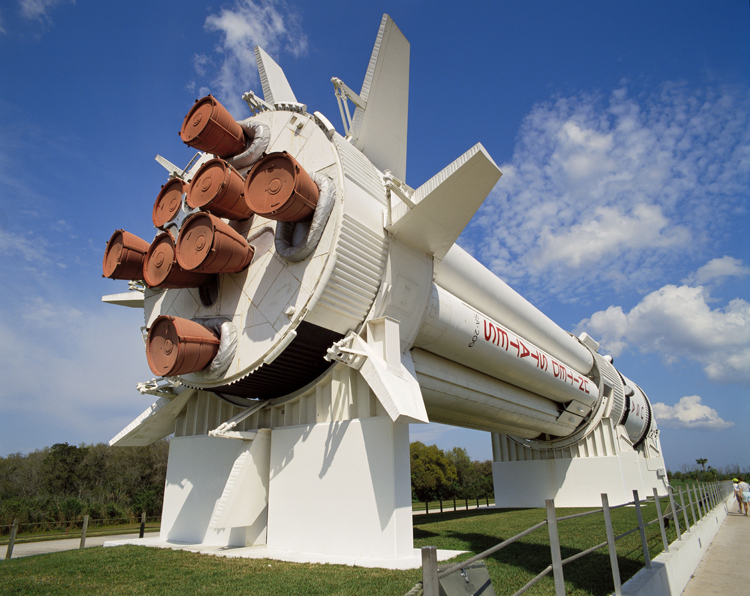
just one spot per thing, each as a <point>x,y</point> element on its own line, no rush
<point>55,546</point>
<point>725,569</point>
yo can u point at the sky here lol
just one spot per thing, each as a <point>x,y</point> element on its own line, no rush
<point>621,129</point>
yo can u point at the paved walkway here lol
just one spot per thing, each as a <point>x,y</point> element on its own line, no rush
<point>55,546</point>
<point>725,568</point>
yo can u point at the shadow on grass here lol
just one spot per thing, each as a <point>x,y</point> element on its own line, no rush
<point>421,520</point>
<point>591,574</point>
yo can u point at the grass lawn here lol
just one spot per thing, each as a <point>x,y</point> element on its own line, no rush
<point>138,570</point>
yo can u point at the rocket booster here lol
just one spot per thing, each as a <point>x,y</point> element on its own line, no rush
<point>312,250</point>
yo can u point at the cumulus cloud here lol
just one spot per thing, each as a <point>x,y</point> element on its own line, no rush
<point>678,322</point>
<point>717,270</point>
<point>614,192</point>
<point>242,26</point>
<point>690,413</point>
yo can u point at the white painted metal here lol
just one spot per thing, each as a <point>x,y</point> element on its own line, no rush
<point>460,333</point>
<point>639,414</point>
<point>457,395</point>
<point>444,205</point>
<point>379,130</point>
<point>465,277</point>
<point>276,88</point>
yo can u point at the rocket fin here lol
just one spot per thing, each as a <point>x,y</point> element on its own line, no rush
<point>155,423</point>
<point>276,88</point>
<point>379,129</point>
<point>443,206</point>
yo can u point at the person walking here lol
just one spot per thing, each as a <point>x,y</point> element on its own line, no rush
<point>737,493</point>
<point>744,489</point>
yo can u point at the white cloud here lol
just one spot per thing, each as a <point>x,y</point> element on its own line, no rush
<point>718,269</point>
<point>38,10</point>
<point>689,412</point>
<point>242,26</point>
<point>678,322</point>
<point>616,192</point>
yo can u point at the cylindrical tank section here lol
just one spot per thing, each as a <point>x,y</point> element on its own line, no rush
<point>209,127</point>
<point>177,346</point>
<point>124,256</point>
<point>458,332</point>
<point>466,278</point>
<point>279,188</point>
<point>208,245</point>
<point>457,395</point>
<point>637,416</point>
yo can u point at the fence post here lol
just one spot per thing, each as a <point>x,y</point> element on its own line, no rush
<point>698,500</point>
<point>554,547</point>
<point>642,529</point>
<point>83,531</point>
<point>675,513</point>
<point>12,539</point>
<point>661,521</point>
<point>454,503</point>
<point>477,502</point>
<point>466,504</point>
<point>143,525</point>
<point>684,511</point>
<point>611,546</point>
<point>441,505</point>
<point>426,508</point>
<point>430,583</point>
<point>487,499</point>
<point>707,493</point>
<point>692,507</point>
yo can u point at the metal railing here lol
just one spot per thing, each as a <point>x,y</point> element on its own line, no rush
<point>704,498</point>
<point>84,531</point>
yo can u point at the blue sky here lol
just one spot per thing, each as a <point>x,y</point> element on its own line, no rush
<point>621,129</point>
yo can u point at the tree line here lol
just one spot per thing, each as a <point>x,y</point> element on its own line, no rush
<point>444,475</point>
<point>65,482</point>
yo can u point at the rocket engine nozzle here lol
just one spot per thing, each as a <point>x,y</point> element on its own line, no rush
<point>177,346</point>
<point>279,188</point>
<point>209,127</point>
<point>124,256</point>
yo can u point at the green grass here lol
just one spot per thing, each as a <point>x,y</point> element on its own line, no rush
<point>138,570</point>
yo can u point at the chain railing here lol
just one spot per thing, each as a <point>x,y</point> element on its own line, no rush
<point>703,498</point>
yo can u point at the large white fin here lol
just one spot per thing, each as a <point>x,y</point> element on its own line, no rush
<point>379,130</point>
<point>276,88</point>
<point>444,205</point>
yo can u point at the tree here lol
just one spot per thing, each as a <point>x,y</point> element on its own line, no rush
<point>702,463</point>
<point>433,474</point>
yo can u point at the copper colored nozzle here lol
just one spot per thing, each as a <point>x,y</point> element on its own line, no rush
<point>169,201</point>
<point>208,245</point>
<point>209,127</point>
<point>161,269</point>
<point>217,188</point>
<point>124,256</point>
<point>279,188</point>
<point>178,346</point>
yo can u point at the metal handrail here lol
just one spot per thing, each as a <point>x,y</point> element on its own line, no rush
<point>712,494</point>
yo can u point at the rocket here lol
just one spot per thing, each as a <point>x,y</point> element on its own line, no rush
<point>288,247</point>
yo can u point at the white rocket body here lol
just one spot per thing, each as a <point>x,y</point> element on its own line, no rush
<point>387,316</point>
